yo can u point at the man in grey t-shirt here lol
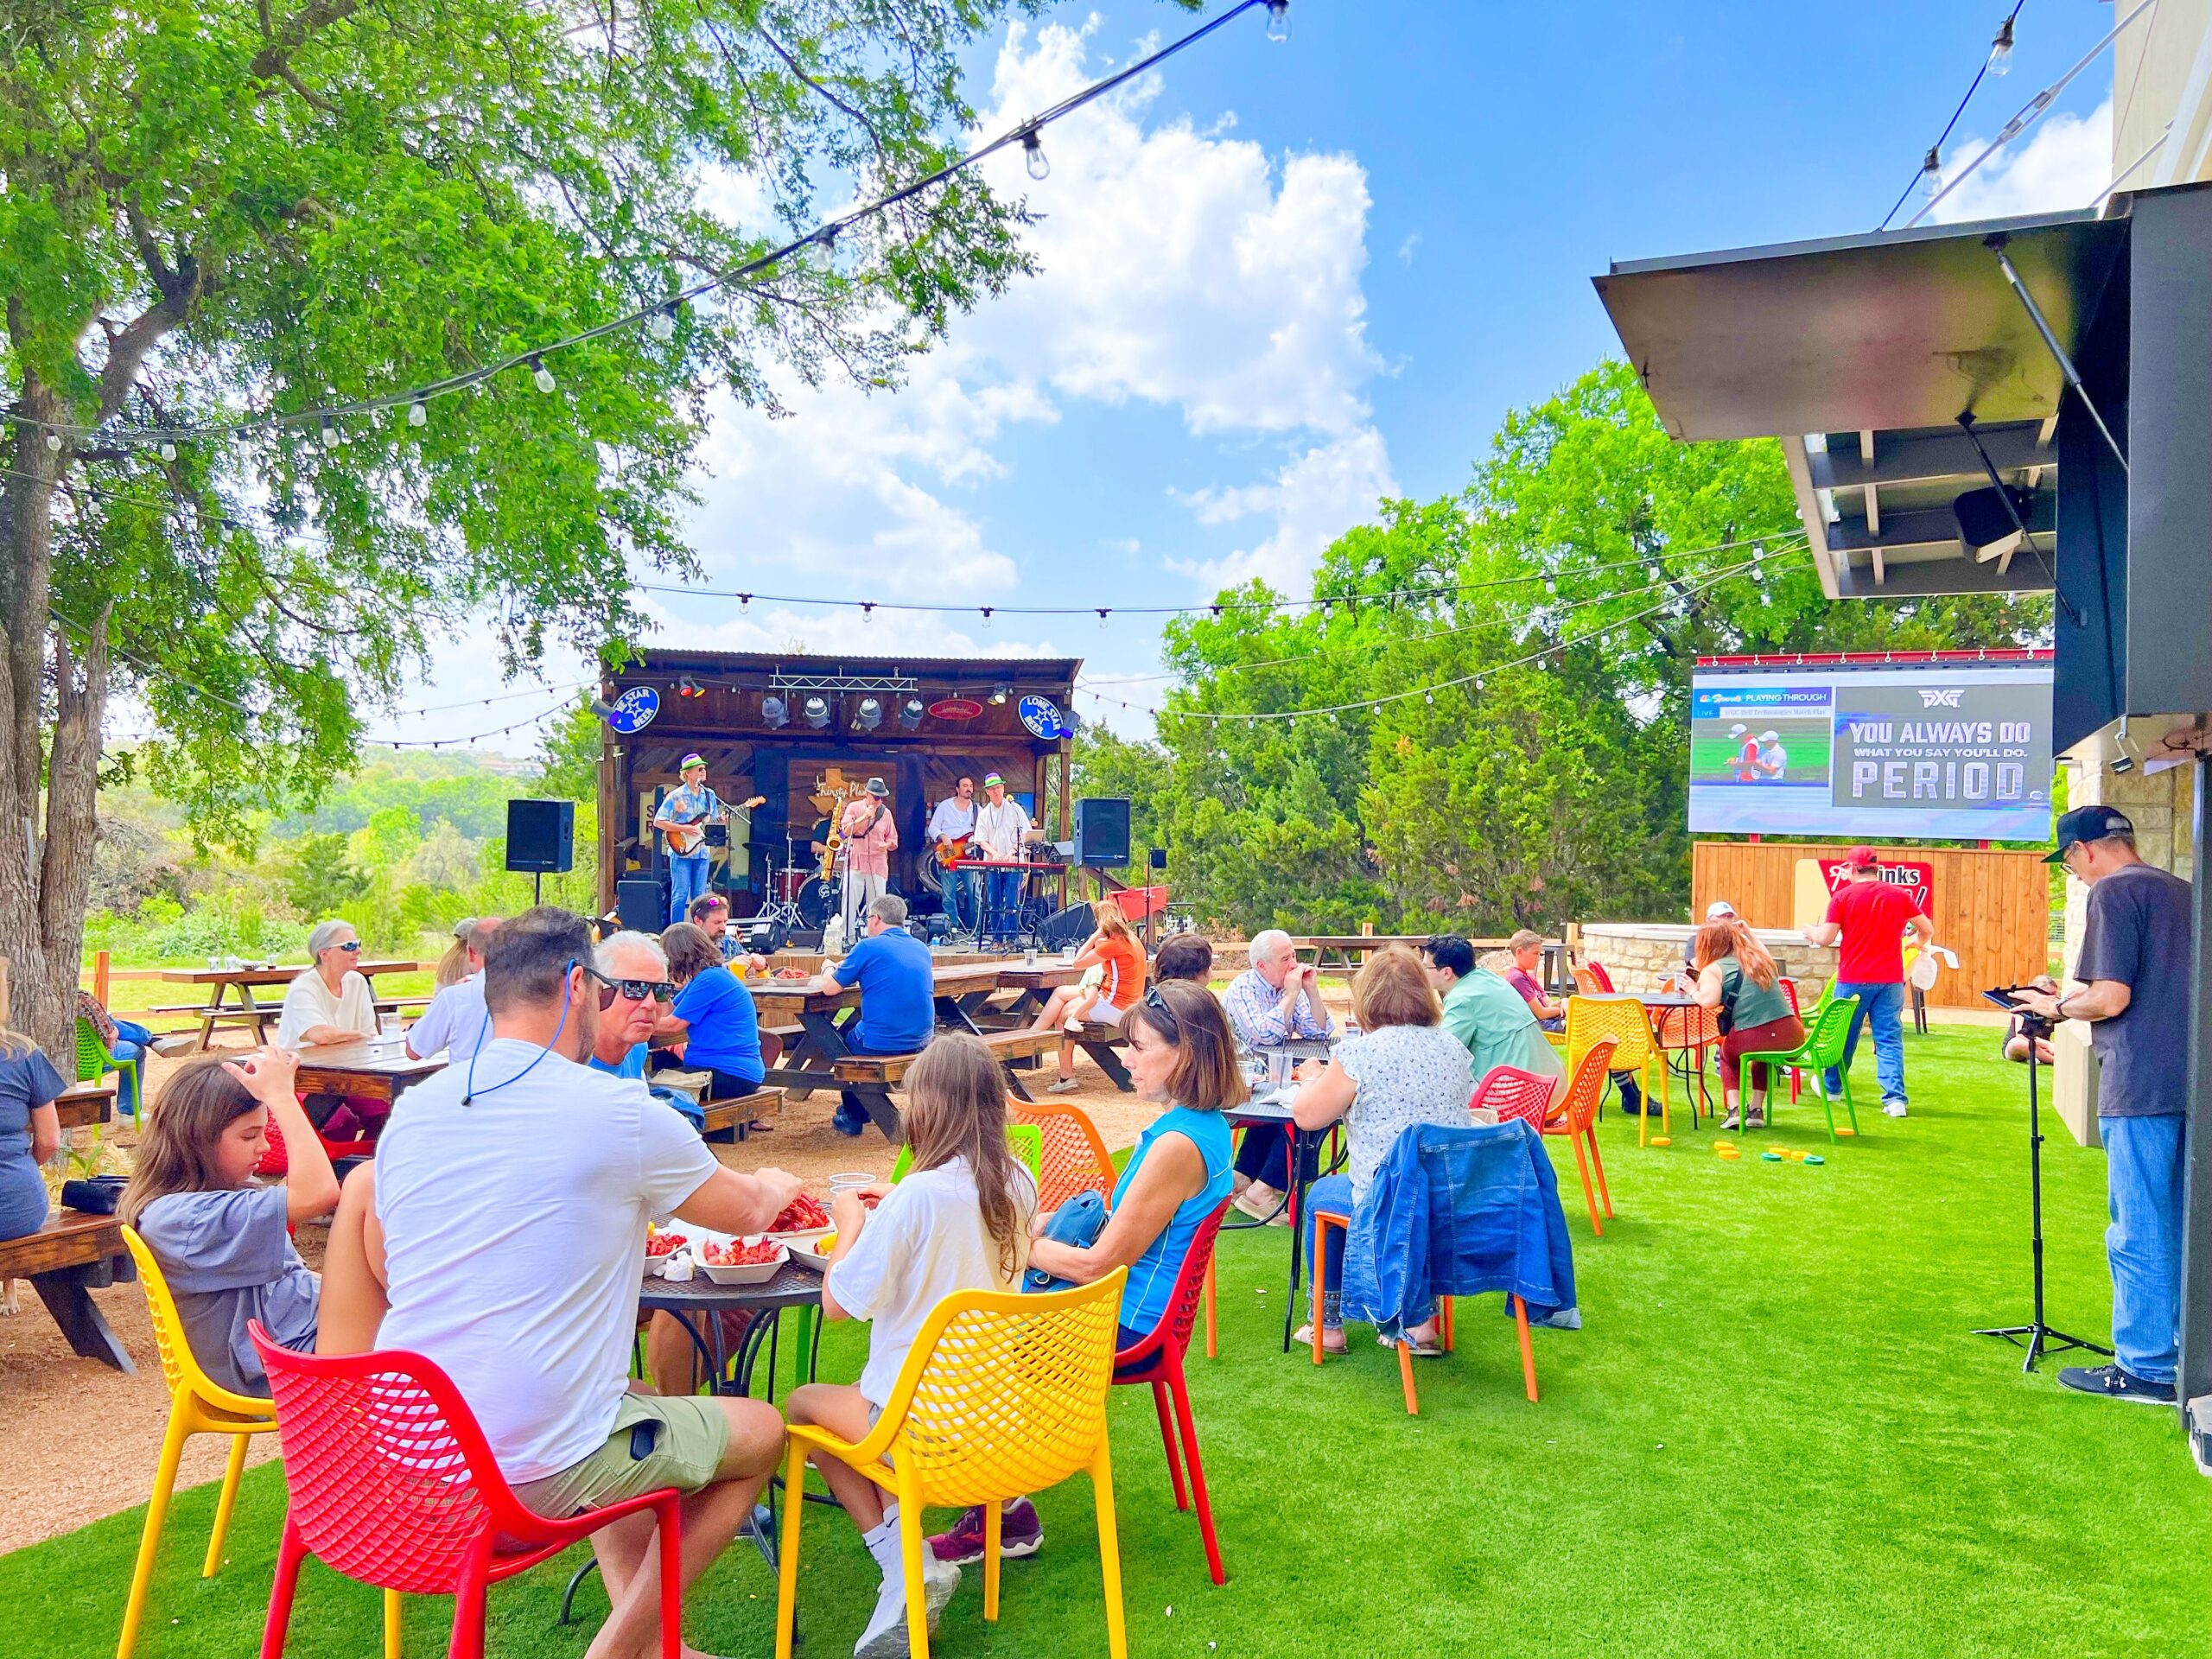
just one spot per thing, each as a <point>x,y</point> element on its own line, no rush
<point>2134,971</point>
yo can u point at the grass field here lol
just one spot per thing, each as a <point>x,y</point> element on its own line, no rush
<point>1774,1436</point>
<point>1810,743</point>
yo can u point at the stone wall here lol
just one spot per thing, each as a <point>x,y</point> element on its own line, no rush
<point>1639,955</point>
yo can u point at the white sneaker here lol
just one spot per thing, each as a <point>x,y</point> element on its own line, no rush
<point>1062,1086</point>
<point>1893,1109</point>
<point>886,1635</point>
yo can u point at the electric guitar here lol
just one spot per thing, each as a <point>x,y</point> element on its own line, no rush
<point>953,848</point>
<point>683,838</point>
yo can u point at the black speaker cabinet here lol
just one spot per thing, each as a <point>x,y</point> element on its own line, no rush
<point>1101,832</point>
<point>541,836</point>
<point>640,902</point>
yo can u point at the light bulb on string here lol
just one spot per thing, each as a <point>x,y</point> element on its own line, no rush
<point>540,375</point>
<point>53,442</point>
<point>1931,173</point>
<point>169,450</point>
<point>745,604</point>
<point>987,616</point>
<point>329,433</point>
<point>1103,609</point>
<point>661,326</point>
<point>418,413</point>
<point>868,610</point>
<point>2000,50</point>
<point>1279,20</point>
<point>1032,154</point>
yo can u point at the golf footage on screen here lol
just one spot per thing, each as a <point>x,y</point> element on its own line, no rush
<point>1932,751</point>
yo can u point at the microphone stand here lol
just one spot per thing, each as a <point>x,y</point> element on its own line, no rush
<point>2038,1336</point>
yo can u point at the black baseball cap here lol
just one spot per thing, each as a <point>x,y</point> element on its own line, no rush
<point>2090,823</point>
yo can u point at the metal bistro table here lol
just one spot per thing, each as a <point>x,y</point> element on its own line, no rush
<point>1657,1004</point>
<point>1305,1145</point>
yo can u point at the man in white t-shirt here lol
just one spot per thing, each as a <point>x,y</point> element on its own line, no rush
<point>511,1203</point>
<point>1002,825</point>
<point>457,1022</point>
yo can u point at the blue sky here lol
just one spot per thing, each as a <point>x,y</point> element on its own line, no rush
<point>1281,281</point>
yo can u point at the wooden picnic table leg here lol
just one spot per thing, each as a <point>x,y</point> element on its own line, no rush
<point>952,1012</point>
<point>208,1019</point>
<point>65,1293</point>
<point>875,1099</point>
<point>1103,1057</point>
<point>807,1067</point>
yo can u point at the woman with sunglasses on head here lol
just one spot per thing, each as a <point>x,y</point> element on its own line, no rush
<point>714,1015</point>
<point>1181,1055</point>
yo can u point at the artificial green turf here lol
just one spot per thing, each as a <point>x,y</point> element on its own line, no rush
<point>1774,1435</point>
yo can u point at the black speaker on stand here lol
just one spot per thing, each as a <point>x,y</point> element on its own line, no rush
<point>1101,832</point>
<point>541,841</point>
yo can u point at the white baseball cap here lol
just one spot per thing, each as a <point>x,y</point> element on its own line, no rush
<point>1718,909</point>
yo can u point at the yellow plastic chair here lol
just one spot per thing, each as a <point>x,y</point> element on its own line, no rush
<point>1627,1022</point>
<point>1002,1395</point>
<point>197,1406</point>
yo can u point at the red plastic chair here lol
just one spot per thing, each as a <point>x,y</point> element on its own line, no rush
<point>1576,1118</point>
<point>1604,980</point>
<point>1512,1092</point>
<point>391,1483</point>
<point>1158,1360</point>
<point>275,1160</point>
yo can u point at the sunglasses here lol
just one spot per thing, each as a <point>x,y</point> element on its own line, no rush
<point>632,990</point>
<point>352,947</point>
<point>1157,1004</point>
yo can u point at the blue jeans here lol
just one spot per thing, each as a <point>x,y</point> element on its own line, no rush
<point>2144,1160</point>
<point>1333,1194</point>
<point>130,1047</point>
<point>960,899</point>
<point>687,880</point>
<point>1002,889</point>
<point>1882,1007</point>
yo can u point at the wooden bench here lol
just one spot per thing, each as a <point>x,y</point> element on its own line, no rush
<point>737,1114</point>
<point>1100,1041</point>
<point>867,1079</point>
<point>66,1260</point>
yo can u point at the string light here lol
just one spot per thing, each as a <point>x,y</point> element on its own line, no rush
<point>418,413</point>
<point>329,433</point>
<point>1929,178</point>
<point>169,450</point>
<point>662,324</point>
<point>540,375</point>
<point>473,380</point>
<point>54,441</point>
<point>1931,173</point>
<point>1278,19</point>
<point>2000,50</point>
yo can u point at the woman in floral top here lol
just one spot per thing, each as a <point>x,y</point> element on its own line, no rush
<point>1404,1069</point>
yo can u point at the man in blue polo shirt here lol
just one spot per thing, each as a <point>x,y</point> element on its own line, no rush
<point>898,1012</point>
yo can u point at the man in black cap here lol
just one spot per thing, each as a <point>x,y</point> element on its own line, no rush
<point>2133,971</point>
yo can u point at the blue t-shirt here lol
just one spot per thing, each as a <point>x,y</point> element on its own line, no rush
<point>229,1260</point>
<point>725,1029</point>
<point>633,1064</point>
<point>27,1082</point>
<point>1152,1275</point>
<point>898,1007</point>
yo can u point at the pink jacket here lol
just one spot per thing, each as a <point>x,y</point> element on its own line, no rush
<point>868,854</point>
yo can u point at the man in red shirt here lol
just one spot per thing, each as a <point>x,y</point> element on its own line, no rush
<point>1872,917</point>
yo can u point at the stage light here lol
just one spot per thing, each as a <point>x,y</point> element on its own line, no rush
<point>814,711</point>
<point>775,712</point>
<point>688,687</point>
<point>1000,692</point>
<point>870,714</point>
<point>910,713</point>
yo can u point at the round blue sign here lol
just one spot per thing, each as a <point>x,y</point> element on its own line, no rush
<point>634,709</point>
<point>1043,718</point>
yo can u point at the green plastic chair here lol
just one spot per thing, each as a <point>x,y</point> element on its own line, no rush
<point>1024,1140</point>
<point>95,1061</point>
<point>1821,1049</point>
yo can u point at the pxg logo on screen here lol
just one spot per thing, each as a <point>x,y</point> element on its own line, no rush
<point>1918,749</point>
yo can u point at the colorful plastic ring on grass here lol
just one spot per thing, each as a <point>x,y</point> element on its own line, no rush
<point>1661,1141</point>
<point>1771,1158</point>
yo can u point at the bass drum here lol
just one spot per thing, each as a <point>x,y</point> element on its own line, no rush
<point>818,901</point>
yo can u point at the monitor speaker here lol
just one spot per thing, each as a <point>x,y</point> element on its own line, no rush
<point>1066,927</point>
<point>640,905</point>
<point>541,836</point>
<point>1101,832</point>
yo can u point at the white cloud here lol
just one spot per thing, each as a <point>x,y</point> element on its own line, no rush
<point>2065,163</point>
<point>1311,500</point>
<point>1407,248</point>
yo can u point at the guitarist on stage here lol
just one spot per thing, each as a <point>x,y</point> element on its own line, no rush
<point>682,818</point>
<point>953,827</point>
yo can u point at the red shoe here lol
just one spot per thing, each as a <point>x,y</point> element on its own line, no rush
<point>1020,1533</point>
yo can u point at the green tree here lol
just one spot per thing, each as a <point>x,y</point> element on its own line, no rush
<point>567,759</point>
<point>323,876</point>
<point>1556,607</point>
<point>219,214</point>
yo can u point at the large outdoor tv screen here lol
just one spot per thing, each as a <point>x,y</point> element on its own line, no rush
<point>1927,752</point>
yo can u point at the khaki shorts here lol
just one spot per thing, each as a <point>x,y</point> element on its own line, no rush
<point>687,1450</point>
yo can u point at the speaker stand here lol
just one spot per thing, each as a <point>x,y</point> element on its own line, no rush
<point>536,888</point>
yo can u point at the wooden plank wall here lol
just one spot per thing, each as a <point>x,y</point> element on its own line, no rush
<point>1992,908</point>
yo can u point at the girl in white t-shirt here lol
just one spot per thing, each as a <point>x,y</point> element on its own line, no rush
<point>959,1221</point>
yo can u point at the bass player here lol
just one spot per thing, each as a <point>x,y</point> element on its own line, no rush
<point>952,828</point>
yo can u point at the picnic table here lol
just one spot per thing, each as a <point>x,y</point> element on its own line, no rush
<point>67,1258</point>
<point>376,1068</point>
<point>81,1105</point>
<point>807,1065</point>
<point>1035,982</point>
<point>221,982</point>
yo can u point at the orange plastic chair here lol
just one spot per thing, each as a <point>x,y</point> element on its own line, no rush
<point>1075,1159</point>
<point>197,1406</point>
<point>1003,1394</point>
<point>1685,1031</point>
<point>1576,1118</point>
<point>1627,1022</point>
